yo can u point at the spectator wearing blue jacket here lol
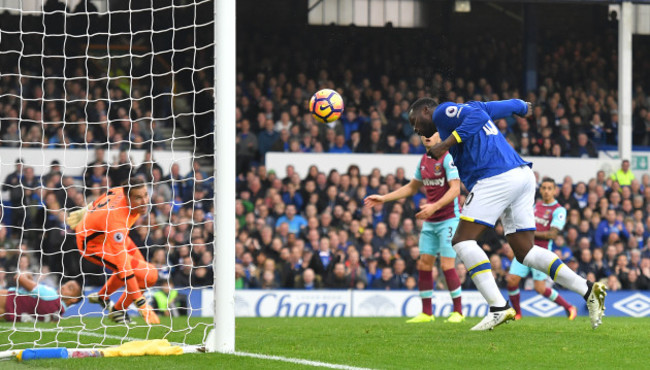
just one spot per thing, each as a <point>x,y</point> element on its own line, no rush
<point>339,145</point>
<point>608,226</point>
<point>291,196</point>
<point>295,222</point>
<point>267,138</point>
<point>351,122</point>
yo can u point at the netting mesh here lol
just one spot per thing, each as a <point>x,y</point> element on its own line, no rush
<point>92,94</point>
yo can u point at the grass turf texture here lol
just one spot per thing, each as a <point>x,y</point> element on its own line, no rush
<point>385,343</point>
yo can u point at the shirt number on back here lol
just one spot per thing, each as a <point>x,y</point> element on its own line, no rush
<point>490,128</point>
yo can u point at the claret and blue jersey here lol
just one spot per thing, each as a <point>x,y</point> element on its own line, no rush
<point>482,151</point>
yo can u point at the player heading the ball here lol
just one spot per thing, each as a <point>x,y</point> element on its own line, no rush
<point>501,185</point>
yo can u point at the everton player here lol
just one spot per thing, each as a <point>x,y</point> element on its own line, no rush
<point>550,218</point>
<point>501,184</point>
<point>442,185</point>
<point>31,301</point>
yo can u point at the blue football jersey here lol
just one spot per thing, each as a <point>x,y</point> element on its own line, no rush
<point>482,151</point>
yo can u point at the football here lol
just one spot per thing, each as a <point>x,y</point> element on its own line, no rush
<point>326,105</point>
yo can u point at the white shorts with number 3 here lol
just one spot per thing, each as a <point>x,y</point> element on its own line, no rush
<point>509,196</point>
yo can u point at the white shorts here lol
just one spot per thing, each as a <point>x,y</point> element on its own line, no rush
<point>510,196</point>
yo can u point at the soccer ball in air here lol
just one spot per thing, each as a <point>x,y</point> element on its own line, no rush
<point>326,105</point>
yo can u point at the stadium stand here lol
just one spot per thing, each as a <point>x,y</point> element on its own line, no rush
<point>312,232</point>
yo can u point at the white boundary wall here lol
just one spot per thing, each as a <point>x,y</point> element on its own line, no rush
<point>73,161</point>
<point>580,169</point>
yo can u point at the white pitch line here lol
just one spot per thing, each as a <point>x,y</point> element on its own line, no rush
<point>298,361</point>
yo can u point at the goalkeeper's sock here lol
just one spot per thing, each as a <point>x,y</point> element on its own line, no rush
<point>480,270</point>
<point>425,285</point>
<point>140,302</point>
<point>549,263</point>
<point>513,292</point>
<point>453,284</point>
<point>131,294</point>
<point>112,285</point>
<point>554,296</point>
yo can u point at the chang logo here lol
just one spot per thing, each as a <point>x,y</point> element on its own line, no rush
<point>636,305</point>
<point>540,306</point>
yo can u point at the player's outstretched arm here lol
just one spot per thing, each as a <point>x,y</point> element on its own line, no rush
<point>506,108</point>
<point>430,208</point>
<point>405,191</point>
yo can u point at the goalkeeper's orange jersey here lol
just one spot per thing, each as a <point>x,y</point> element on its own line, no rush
<point>107,222</point>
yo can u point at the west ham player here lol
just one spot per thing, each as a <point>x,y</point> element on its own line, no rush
<point>442,185</point>
<point>31,301</point>
<point>501,184</point>
<point>550,218</point>
<point>102,238</point>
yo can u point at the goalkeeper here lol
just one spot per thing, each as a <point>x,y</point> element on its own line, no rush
<point>102,238</point>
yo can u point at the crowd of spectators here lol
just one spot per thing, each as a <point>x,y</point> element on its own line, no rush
<point>309,232</point>
<point>90,89</point>
<point>576,108</point>
<point>313,232</point>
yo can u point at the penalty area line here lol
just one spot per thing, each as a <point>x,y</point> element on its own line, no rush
<point>298,361</point>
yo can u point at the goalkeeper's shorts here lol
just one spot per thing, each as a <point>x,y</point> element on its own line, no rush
<point>115,259</point>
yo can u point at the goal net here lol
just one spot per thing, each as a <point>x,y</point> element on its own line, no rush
<point>92,94</point>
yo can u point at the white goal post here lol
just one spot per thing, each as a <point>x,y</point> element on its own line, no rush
<point>91,94</point>
<point>223,336</point>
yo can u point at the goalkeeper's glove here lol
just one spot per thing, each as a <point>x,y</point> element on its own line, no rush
<point>147,312</point>
<point>74,218</point>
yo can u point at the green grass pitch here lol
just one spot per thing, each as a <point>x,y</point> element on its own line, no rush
<point>382,343</point>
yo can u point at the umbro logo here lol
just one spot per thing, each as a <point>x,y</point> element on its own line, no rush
<point>636,305</point>
<point>541,306</point>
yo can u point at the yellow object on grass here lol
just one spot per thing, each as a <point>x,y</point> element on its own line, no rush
<point>157,347</point>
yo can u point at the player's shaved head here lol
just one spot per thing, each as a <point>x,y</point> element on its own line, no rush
<point>420,116</point>
<point>421,103</point>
